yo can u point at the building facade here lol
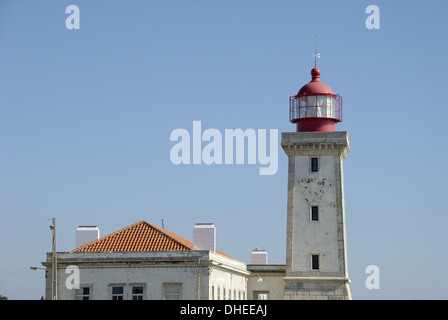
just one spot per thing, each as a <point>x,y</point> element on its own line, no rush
<point>159,275</point>
<point>145,262</point>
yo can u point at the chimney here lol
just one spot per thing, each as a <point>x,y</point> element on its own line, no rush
<point>259,256</point>
<point>86,234</point>
<point>204,236</point>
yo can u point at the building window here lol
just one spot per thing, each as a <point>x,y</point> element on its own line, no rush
<point>117,293</point>
<point>261,295</point>
<point>315,262</point>
<point>137,293</point>
<point>314,213</point>
<point>82,293</point>
<point>314,164</point>
<point>172,291</point>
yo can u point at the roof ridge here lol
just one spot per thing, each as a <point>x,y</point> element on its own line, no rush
<point>188,245</point>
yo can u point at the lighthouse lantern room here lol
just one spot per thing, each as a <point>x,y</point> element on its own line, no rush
<point>315,107</point>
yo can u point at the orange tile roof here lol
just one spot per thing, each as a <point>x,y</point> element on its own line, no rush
<point>140,236</point>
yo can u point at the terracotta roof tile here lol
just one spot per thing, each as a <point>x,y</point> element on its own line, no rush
<point>140,236</point>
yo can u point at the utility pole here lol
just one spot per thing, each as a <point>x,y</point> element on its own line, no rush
<point>54,276</point>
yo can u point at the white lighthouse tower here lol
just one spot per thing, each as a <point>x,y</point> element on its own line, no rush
<point>316,258</point>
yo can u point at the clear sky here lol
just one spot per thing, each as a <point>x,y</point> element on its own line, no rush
<point>86,117</point>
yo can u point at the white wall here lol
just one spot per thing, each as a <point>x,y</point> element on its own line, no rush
<point>198,271</point>
<point>233,285</point>
<point>101,279</point>
<point>266,278</point>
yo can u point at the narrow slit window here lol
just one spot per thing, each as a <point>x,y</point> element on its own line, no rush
<point>314,213</point>
<point>314,164</point>
<point>315,262</point>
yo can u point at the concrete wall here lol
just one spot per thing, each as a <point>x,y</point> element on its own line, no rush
<point>228,278</point>
<point>266,279</point>
<point>314,237</point>
<point>227,285</point>
<point>317,289</point>
<point>102,279</point>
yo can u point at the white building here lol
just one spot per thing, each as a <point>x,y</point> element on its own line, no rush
<point>143,261</point>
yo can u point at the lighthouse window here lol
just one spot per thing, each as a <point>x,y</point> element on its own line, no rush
<point>312,107</point>
<point>314,164</point>
<point>315,262</point>
<point>315,213</point>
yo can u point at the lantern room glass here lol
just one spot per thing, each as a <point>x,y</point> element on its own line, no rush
<point>315,106</point>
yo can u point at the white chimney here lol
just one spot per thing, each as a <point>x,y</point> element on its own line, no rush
<point>86,234</point>
<point>259,256</point>
<point>204,236</point>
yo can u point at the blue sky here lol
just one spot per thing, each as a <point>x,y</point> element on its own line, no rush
<point>86,116</point>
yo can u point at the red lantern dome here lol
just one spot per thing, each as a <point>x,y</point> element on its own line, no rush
<point>315,107</point>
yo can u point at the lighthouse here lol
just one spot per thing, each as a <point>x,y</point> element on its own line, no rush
<point>316,255</point>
